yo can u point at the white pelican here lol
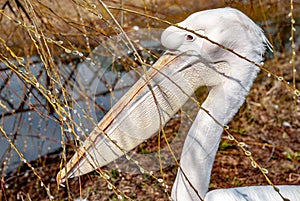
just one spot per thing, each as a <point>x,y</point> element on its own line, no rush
<point>190,62</point>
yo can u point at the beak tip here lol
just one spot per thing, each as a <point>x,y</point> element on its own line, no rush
<point>60,177</point>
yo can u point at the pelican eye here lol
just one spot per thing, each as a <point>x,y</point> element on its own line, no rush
<point>189,37</point>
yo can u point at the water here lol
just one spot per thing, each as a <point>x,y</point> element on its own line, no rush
<point>29,129</point>
<point>94,85</point>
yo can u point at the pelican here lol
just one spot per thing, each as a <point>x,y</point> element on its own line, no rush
<point>190,61</point>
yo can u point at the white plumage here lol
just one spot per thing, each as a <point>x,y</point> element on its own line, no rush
<point>191,62</point>
<point>254,193</point>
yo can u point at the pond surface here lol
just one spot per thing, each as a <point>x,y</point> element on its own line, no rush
<point>93,85</point>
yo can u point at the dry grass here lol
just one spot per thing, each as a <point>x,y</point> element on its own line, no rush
<point>65,32</point>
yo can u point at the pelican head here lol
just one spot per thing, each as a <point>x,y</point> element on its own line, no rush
<point>224,26</point>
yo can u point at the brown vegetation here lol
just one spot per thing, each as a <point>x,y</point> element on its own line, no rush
<point>269,121</point>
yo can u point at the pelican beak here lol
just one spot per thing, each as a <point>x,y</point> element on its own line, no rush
<point>139,114</point>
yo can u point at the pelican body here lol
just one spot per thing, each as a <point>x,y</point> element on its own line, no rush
<point>191,61</point>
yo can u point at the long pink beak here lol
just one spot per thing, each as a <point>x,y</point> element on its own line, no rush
<point>139,114</point>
